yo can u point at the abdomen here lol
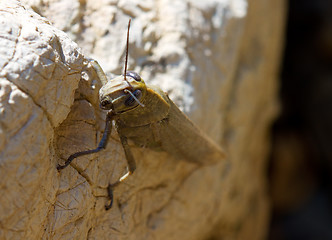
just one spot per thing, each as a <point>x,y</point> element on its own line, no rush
<point>181,138</point>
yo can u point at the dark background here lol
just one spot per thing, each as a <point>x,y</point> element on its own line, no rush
<point>301,161</point>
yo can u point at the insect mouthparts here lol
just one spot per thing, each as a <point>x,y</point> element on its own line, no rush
<point>106,104</point>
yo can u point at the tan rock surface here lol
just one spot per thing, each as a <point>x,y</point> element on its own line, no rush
<point>218,61</point>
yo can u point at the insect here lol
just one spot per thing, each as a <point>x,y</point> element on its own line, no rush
<point>147,116</point>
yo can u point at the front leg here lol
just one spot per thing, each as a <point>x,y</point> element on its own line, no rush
<point>131,168</point>
<point>102,144</point>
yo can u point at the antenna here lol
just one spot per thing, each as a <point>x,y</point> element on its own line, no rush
<point>125,69</point>
<point>126,59</point>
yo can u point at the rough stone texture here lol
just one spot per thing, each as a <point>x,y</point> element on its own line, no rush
<point>219,62</point>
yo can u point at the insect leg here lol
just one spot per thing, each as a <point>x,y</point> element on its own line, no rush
<point>101,145</point>
<point>99,71</point>
<point>129,156</point>
<point>131,168</point>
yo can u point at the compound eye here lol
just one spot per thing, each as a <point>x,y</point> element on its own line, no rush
<point>134,75</point>
<point>130,101</point>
